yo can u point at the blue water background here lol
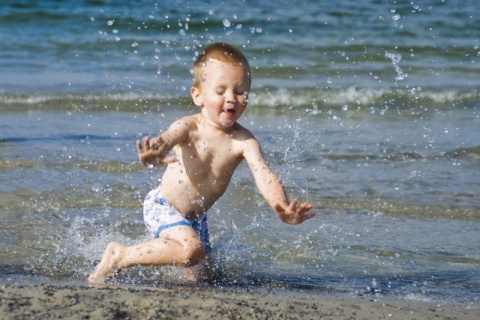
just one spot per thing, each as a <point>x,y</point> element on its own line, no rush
<point>114,45</point>
<point>368,109</point>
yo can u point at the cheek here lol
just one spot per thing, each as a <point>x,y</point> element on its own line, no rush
<point>243,100</point>
<point>213,99</point>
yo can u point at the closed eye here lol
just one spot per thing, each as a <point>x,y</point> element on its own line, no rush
<point>241,92</point>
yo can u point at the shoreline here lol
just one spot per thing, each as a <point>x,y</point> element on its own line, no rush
<point>206,302</point>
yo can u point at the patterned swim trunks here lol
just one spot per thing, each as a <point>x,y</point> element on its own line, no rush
<point>159,214</point>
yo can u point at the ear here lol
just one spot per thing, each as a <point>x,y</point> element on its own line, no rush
<point>196,96</point>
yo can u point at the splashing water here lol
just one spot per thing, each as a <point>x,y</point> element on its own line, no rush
<point>396,58</point>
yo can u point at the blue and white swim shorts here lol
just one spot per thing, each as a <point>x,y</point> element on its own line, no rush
<point>159,214</point>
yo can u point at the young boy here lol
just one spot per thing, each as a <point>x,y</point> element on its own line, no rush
<point>207,147</point>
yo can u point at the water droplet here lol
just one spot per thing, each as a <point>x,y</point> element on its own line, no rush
<point>227,23</point>
<point>314,111</point>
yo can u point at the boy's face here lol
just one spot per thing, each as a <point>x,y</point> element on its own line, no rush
<point>222,93</point>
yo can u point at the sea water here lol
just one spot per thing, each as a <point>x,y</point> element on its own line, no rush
<point>368,110</point>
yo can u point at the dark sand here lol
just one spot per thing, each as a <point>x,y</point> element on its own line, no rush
<point>197,302</point>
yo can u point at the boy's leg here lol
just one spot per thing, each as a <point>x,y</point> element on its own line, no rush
<point>202,272</point>
<point>178,245</point>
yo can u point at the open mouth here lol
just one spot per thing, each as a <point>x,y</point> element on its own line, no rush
<point>229,111</point>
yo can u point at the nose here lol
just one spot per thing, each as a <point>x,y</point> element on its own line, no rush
<point>229,96</point>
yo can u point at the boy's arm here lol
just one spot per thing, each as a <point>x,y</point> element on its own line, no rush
<point>271,187</point>
<point>154,151</point>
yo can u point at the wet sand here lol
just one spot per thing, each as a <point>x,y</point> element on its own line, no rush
<point>185,302</point>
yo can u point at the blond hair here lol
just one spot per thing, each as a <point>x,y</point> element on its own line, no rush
<point>222,52</point>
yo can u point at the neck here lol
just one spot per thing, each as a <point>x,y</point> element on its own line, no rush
<point>220,127</point>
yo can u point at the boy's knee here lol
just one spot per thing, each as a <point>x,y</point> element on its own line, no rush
<point>195,255</point>
<point>114,248</point>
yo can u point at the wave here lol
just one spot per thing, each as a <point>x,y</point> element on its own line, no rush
<point>469,153</point>
<point>354,97</point>
<point>472,153</point>
<point>314,100</point>
<point>411,211</point>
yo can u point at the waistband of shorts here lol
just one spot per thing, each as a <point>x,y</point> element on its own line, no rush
<point>166,226</point>
<point>158,194</point>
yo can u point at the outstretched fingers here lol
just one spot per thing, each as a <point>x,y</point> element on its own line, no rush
<point>145,146</point>
<point>300,213</point>
<point>293,214</point>
<point>142,149</point>
<point>153,153</point>
<point>146,143</point>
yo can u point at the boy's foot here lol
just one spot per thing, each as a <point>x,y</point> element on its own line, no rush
<point>109,265</point>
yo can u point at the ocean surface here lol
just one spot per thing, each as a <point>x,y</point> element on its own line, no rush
<point>369,109</point>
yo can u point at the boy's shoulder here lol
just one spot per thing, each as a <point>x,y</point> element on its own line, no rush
<point>241,131</point>
<point>187,122</point>
<point>189,119</point>
<point>243,136</point>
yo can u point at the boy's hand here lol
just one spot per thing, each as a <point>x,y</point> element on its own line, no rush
<point>153,153</point>
<point>292,214</point>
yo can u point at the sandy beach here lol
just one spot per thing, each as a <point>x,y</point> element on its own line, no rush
<point>185,302</point>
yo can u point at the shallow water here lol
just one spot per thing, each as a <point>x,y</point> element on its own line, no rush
<point>385,149</point>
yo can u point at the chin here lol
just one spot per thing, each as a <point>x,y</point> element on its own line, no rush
<point>228,124</point>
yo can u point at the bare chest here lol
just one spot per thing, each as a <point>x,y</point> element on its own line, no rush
<point>212,156</point>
